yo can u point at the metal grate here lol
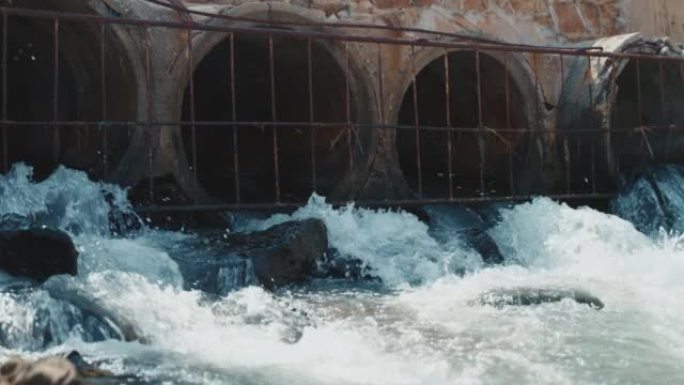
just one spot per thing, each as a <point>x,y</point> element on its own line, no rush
<point>567,150</point>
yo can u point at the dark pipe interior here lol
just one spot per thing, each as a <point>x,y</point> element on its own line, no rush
<point>30,95</point>
<point>662,105</point>
<point>212,101</point>
<point>463,108</point>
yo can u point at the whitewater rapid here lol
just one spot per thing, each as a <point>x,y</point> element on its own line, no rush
<point>421,327</point>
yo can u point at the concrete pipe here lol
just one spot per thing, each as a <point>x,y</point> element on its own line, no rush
<point>635,104</point>
<point>509,99</point>
<point>82,92</point>
<point>218,97</point>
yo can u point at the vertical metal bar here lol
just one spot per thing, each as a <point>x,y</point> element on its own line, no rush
<point>566,147</point>
<point>509,124</point>
<point>416,119</point>
<point>5,155</point>
<point>447,109</point>
<point>55,97</point>
<point>233,108</point>
<point>148,86</point>
<point>347,101</point>
<point>591,135</point>
<point>663,108</point>
<point>103,87</point>
<point>480,126</point>
<point>193,127</point>
<point>593,166</point>
<point>639,106</point>
<point>274,117</point>
<point>312,127</point>
<point>381,92</point>
<point>610,129</point>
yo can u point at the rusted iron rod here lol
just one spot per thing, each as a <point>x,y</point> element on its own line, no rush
<point>339,25</point>
<point>381,203</point>
<point>263,31</point>
<point>299,125</point>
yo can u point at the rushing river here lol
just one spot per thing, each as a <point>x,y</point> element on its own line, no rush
<point>421,325</point>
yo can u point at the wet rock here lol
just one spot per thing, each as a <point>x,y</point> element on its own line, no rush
<point>652,198</point>
<point>336,266</point>
<point>98,321</point>
<point>37,253</point>
<point>84,368</point>
<point>10,222</point>
<point>47,371</point>
<point>283,254</point>
<point>448,221</point>
<point>500,298</point>
<point>280,255</point>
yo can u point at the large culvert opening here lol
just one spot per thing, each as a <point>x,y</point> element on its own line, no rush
<point>83,93</point>
<point>214,152</point>
<point>649,94</point>
<point>502,153</point>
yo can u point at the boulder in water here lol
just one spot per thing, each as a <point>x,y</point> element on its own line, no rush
<point>280,255</point>
<point>283,254</point>
<point>456,220</point>
<point>37,253</point>
<point>500,298</point>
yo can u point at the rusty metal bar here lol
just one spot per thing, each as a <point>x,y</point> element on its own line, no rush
<point>5,117</point>
<point>55,97</point>
<point>193,127</point>
<point>103,88</point>
<point>509,124</point>
<point>416,118</point>
<point>312,128</point>
<point>233,108</point>
<point>274,118</point>
<point>639,105</point>
<point>381,88</point>
<point>311,24</point>
<point>592,146</point>
<point>382,203</point>
<point>480,139</point>
<point>148,108</point>
<point>447,109</point>
<point>610,128</point>
<point>347,102</point>
<point>489,46</point>
<point>296,125</point>
<point>640,109</point>
<point>663,107</point>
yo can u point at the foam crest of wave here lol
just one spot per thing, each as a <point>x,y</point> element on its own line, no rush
<point>395,245</point>
<point>67,199</point>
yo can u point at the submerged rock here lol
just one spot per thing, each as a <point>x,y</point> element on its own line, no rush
<point>46,371</point>
<point>534,296</point>
<point>282,254</point>
<point>86,369</point>
<point>455,220</point>
<point>37,253</point>
<point>67,369</point>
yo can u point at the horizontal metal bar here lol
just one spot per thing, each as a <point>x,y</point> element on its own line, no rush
<point>473,130</point>
<point>382,203</point>
<point>346,25</point>
<point>303,34</point>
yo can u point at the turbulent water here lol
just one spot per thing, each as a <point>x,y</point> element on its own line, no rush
<point>422,325</point>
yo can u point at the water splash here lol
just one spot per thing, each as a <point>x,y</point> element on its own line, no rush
<point>427,332</point>
<point>395,245</point>
<point>67,200</point>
